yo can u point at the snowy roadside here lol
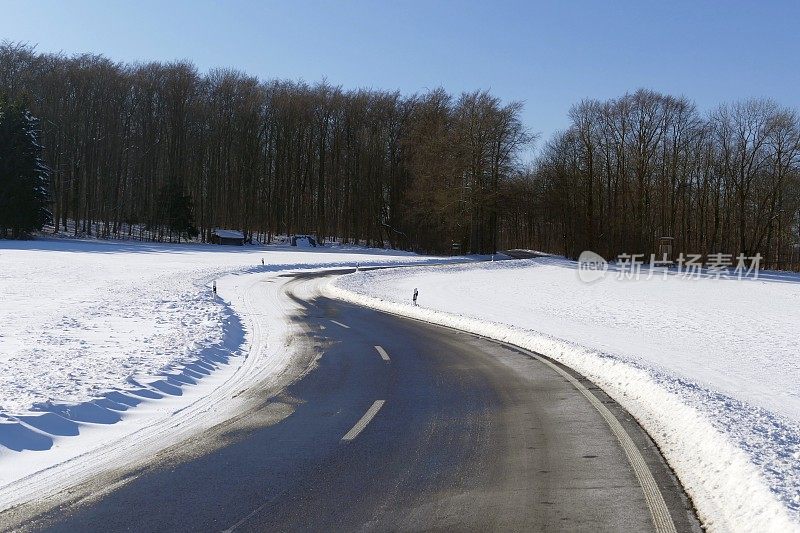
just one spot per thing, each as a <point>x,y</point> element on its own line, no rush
<point>111,351</point>
<point>687,358</point>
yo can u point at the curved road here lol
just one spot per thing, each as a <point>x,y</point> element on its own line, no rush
<point>394,425</point>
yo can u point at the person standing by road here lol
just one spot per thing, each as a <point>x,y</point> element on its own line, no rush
<point>416,293</point>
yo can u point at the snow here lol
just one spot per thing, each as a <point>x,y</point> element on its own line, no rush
<point>109,351</point>
<point>228,234</point>
<point>303,241</point>
<point>707,366</point>
<point>123,348</point>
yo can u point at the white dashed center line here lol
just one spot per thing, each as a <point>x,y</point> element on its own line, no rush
<point>383,354</point>
<point>361,424</point>
<point>340,324</point>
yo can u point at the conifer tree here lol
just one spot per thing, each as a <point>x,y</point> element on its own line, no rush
<point>179,212</point>
<point>24,178</point>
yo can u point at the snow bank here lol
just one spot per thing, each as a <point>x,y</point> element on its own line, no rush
<point>99,339</point>
<point>83,318</point>
<point>708,367</point>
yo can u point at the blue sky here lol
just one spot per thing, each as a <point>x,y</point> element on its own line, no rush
<point>547,54</point>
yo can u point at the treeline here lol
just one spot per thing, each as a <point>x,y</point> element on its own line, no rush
<point>164,151</point>
<point>161,151</point>
<point>633,169</point>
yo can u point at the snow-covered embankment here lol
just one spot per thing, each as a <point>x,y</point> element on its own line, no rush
<point>708,367</point>
<point>110,351</point>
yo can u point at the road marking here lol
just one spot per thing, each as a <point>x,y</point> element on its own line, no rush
<point>383,354</point>
<point>662,520</point>
<point>655,500</point>
<point>340,324</point>
<point>361,424</point>
<point>353,433</point>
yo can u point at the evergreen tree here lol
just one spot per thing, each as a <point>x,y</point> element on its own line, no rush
<point>24,178</point>
<point>180,212</point>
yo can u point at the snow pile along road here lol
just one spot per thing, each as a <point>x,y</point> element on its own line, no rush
<point>121,348</point>
<point>708,366</point>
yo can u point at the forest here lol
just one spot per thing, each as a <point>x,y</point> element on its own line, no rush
<point>126,144</point>
<point>161,151</point>
<point>646,165</point>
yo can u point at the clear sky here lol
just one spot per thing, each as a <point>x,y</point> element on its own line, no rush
<point>547,54</point>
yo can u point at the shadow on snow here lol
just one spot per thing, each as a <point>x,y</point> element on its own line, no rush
<point>38,429</point>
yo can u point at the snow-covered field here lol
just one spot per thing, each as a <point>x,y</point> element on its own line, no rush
<point>710,367</point>
<point>99,340</point>
<point>109,350</point>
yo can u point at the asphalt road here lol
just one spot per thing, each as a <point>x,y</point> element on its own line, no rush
<point>452,433</point>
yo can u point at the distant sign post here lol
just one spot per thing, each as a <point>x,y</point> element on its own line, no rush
<point>665,249</point>
<point>456,248</point>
